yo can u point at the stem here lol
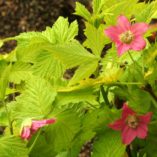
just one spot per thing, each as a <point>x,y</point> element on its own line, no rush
<point>34,142</point>
<point>128,83</point>
<point>104,94</point>
<point>8,116</point>
<point>131,57</point>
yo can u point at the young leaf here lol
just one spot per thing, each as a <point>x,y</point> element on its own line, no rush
<point>95,38</point>
<point>63,31</point>
<point>97,5</point>
<point>82,11</point>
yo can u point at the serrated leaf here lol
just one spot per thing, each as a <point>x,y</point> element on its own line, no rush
<point>63,31</point>
<point>109,144</point>
<point>36,100</point>
<point>46,66</point>
<point>50,35</point>
<point>71,54</point>
<point>19,72</point>
<point>147,13</point>
<point>41,145</point>
<point>73,97</point>
<point>95,38</point>
<point>11,146</point>
<point>97,5</point>
<point>60,134</point>
<point>82,11</point>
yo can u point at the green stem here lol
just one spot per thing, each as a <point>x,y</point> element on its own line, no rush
<point>34,142</point>
<point>104,94</point>
<point>8,116</point>
<point>128,83</point>
<point>131,57</point>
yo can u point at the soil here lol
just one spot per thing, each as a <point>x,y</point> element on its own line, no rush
<point>33,15</point>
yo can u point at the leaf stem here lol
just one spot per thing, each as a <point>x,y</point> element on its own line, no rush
<point>104,94</point>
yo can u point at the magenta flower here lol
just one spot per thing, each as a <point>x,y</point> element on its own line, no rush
<point>26,133</point>
<point>127,36</point>
<point>30,128</point>
<point>132,125</point>
<point>37,124</point>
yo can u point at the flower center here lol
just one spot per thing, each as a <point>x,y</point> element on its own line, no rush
<point>132,121</point>
<point>126,37</point>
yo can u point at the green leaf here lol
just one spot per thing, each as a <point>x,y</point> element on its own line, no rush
<point>71,54</point>
<point>82,11</point>
<point>80,139</point>
<point>63,31</point>
<point>47,66</point>
<point>50,35</point>
<point>3,117</point>
<point>41,146</point>
<point>150,148</point>
<point>36,100</point>
<point>97,5</point>
<point>11,146</point>
<point>61,134</point>
<point>95,38</point>
<point>4,77</point>
<point>147,13</point>
<point>73,97</point>
<point>109,144</point>
<point>84,71</point>
<point>19,72</point>
<point>28,50</point>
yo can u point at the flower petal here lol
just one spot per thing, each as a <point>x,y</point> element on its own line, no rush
<point>138,44</point>
<point>127,111</point>
<point>122,48</point>
<point>36,124</point>
<point>117,125</point>
<point>139,28</point>
<point>124,23</point>
<point>146,118</point>
<point>113,33</point>
<point>128,135</point>
<point>142,131</point>
<point>50,121</point>
<point>26,133</point>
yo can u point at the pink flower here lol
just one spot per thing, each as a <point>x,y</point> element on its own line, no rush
<point>131,125</point>
<point>26,133</point>
<point>127,36</point>
<point>30,128</point>
<point>36,124</point>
